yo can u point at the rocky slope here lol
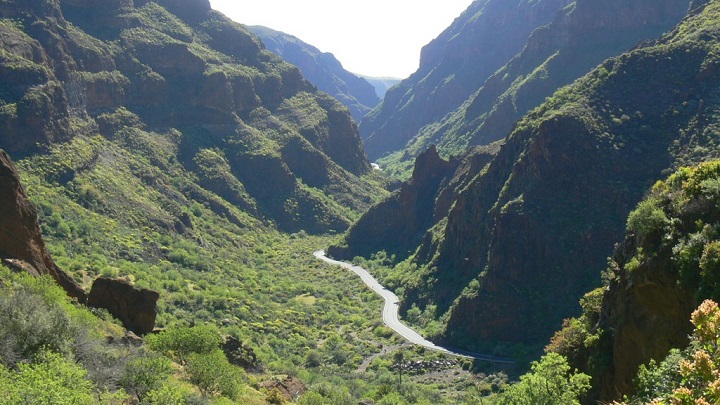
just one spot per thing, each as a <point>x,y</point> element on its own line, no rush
<point>453,67</point>
<point>544,214</point>
<point>246,125</point>
<point>666,265</point>
<point>579,37</point>
<point>322,70</point>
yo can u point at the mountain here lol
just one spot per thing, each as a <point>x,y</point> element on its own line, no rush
<point>529,233</point>
<point>246,127</point>
<point>579,37</point>
<point>322,70</point>
<point>453,67</point>
<point>381,84</point>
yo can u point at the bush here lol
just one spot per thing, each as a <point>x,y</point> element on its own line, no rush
<point>549,382</point>
<point>145,374</point>
<point>213,374</point>
<point>50,379</point>
<point>29,324</point>
<point>179,342</point>
<point>647,218</point>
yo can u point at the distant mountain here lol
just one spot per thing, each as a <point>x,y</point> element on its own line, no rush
<point>452,68</point>
<point>514,243</point>
<point>323,70</point>
<point>573,39</point>
<point>381,84</point>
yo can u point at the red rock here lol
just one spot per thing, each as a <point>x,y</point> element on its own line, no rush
<point>21,243</point>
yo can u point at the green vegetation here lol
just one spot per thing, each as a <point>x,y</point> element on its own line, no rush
<point>550,382</point>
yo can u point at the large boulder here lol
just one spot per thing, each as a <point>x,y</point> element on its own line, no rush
<point>135,307</point>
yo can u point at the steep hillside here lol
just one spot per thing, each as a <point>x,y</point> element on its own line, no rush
<point>453,67</point>
<point>580,37</point>
<point>543,215</point>
<point>322,70</point>
<point>666,266</point>
<point>397,224</point>
<point>245,126</point>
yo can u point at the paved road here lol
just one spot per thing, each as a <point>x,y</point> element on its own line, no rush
<point>390,314</point>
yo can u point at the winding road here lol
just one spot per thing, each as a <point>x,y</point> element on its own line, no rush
<point>390,314</point>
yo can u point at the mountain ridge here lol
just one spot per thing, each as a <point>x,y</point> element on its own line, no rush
<point>321,69</point>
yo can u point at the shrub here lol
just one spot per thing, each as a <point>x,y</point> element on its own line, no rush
<point>647,218</point>
<point>179,342</point>
<point>50,379</point>
<point>213,374</point>
<point>145,374</point>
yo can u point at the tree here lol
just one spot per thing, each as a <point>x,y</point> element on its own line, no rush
<point>550,382</point>
<point>179,342</point>
<point>213,374</point>
<point>145,374</point>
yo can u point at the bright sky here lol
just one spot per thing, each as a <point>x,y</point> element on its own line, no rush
<point>370,37</point>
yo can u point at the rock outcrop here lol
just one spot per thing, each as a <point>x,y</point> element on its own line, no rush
<point>290,388</point>
<point>240,355</point>
<point>135,307</point>
<point>398,224</point>
<point>21,243</point>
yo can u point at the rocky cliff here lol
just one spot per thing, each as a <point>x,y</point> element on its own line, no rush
<point>21,244</point>
<point>452,68</point>
<point>248,125</point>
<point>397,224</point>
<point>544,214</point>
<point>22,248</point>
<point>666,265</point>
<point>578,38</point>
<point>322,70</point>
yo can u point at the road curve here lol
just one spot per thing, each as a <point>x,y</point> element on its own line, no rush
<point>390,314</point>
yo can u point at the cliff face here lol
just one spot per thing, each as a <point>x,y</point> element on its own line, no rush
<point>543,215</point>
<point>21,243</point>
<point>322,70</point>
<point>453,67</point>
<point>666,265</point>
<point>579,37</point>
<point>398,223</point>
<point>78,68</point>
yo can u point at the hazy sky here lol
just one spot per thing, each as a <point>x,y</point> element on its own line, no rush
<point>369,37</point>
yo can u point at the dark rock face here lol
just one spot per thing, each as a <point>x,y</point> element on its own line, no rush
<point>21,244</point>
<point>241,355</point>
<point>398,224</point>
<point>322,70</point>
<point>136,308</point>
